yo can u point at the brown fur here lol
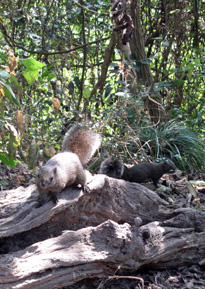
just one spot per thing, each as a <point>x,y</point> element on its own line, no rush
<point>66,168</point>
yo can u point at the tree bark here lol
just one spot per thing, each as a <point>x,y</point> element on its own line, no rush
<point>90,235</point>
<point>144,75</point>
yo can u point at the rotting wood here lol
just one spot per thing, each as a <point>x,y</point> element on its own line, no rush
<point>97,252</point>
<point>109,198</point>
<point>117,224</point>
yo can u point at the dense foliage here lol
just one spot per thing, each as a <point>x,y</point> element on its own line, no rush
<point>61,63</point>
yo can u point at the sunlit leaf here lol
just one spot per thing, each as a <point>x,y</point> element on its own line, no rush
<point>86,93</point>
<point>29,77</point>
<point>4,74</point>
<point>32,64</point>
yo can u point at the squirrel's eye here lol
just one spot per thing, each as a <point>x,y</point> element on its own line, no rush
<point>51,179</point>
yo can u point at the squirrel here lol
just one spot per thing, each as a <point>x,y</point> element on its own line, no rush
<point>138,173</point>
<point>66,168</point>
<point>150,171</point>
<point>115,169</point>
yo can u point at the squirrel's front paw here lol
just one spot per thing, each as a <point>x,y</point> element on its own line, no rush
<point>86,189</point>
<point>52,197</point>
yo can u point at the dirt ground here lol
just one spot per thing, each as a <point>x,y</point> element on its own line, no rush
<point>179,190</point>
<point>182,278</point>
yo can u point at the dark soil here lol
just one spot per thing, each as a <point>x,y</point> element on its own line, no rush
<point>182,278</point>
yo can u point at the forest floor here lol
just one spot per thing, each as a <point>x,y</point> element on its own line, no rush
<point>180,193</point>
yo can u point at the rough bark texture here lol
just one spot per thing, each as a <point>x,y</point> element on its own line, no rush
<point>144,75</point>
<point>117,224</point>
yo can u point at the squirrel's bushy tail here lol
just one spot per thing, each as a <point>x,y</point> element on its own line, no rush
<point>81,141</point>
<point>115,169</point>
<point>112,168</point>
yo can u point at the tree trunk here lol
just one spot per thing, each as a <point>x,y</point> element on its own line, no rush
<point>89,235</point>
<point>144,75</point>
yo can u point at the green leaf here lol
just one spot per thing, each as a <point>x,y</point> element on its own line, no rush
<point>137,67</point>
<point>4,157</point>
<point>14,81</point>
<point>4,183</point>
<point>9,93</point>
<point>174,11</point>
<point>32,154</point>
<point>32,64</point>
<point>157,38</point>
<point>51,76</point>
<point>178,81</point>
<point>190,70</point>
<point>113,64</point>
<point>146,61</point>
<point>108,89</point>
<point>86,93</point>
<point>199,116</point>
<point>29,77</point>
<point>163,84</point>
<point>190,67</point>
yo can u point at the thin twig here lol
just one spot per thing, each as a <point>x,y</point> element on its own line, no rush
<point>127,277</point>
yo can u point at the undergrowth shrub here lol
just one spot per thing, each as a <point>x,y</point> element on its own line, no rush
<point>167,141</point>
<point>173,141</point>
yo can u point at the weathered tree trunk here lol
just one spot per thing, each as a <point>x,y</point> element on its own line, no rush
<point>144,75</point>
<point>117,224</point>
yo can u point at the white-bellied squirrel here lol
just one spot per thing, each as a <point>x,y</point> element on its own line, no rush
<point>138,173</point>
<point>66,168</point>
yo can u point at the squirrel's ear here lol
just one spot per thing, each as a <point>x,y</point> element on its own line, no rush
<point>54,170</point>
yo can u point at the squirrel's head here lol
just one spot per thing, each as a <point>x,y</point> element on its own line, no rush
<point>47,178</point>
<point>169,166</point>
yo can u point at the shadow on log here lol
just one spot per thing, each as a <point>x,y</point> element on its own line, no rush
<point>89,235</point>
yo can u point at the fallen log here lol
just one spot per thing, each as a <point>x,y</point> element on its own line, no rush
<point>117,224</point>
<point>109,198</point>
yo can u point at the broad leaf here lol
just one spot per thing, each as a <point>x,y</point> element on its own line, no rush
<point>32,64</point>
<point>9,93</point>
